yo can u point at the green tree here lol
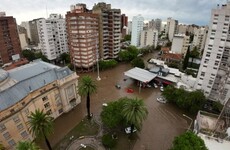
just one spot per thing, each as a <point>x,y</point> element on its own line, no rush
<point>186,59</point>
<point>112,115</point>
<point>106,64</point>
<point>41,125</point>
<point>134,111</point>
<point>27,145</point>
<point>188,141</point>
<point>138,62</point>
<point>65,57</point>
<point>29,55</point>
<point>43,57</point>
<point>194,53</point>
<point>127,38</point>
<point>2,147</point>
<point>129,54</point>
<point>87,87</point>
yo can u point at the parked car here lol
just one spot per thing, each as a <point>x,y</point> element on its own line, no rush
<point>161,88</point>
<point>161,100</point>
<point>128,130</point>
<point>105,104</point>
<point>118,86</point>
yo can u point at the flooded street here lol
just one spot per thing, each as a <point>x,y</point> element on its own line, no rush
<point>163,123</point>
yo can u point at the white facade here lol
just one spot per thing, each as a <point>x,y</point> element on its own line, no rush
<point>52,36</point>
<point>180,44</point>
<point>129,27</point>
<point>23,42</point>
<point>27,27</point>
<point>149,38</point>
<point>171,28</point>
<point>213,76</point>
<point>137,27</point>
<point>199,39</point>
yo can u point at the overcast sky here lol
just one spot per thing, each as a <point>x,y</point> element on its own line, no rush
<point>185,11</point>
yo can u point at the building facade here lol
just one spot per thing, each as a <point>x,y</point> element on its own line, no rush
<point>109,30</point>
<point>199,39</point>
<point>149,38</point>
<point>37,85</point>
<point>180,44</point>
<point>82,30</point>
<point>33,27</point>
<point>124,25</point>
<point>171,28</point>
<point>137,27</point>
<point>213,76</point>
<point>52,36</point>
<point>9,39</point>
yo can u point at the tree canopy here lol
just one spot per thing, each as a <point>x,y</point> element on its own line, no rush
<point>188,141</point>
<point>106,64</point>
<point>190,101</point>
<point>27,145</point>
<point>138,62</point>
<point>129,54</point>
<point>30,55</point>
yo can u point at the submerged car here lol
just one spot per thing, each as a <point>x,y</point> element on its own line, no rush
<point>118,86</point>
<point>161,100</point>
<point>128,130</point>
<point>161,88</point>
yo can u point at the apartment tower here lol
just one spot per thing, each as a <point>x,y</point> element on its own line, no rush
<point>149,38</point>
<point>52,36</point>
<point>137,27</point>
<point>171,28</point>
<point>213,76</point>
<point>82,31</point>
<point>109,30</point>
<point>9,39</point>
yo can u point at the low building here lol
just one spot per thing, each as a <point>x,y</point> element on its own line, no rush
<point>37,85</point>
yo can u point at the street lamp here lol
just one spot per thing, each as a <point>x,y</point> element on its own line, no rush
<point>189,119</point>
<point>98,76</point>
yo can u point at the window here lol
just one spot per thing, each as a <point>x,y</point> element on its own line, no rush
<point>60,111</point>
<point>6,135</point>
<point>20,126</point>
<point>202,73</point>
<point>2,127</point>
<point>45,99</point>
<point>11,143</point>
<point>16,119</point>
<point>24,134</point>
<point>47,105</point>
<point>49,112</point>
<point>27,111</point>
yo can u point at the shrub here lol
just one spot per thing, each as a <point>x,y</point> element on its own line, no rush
<point>108,141</point>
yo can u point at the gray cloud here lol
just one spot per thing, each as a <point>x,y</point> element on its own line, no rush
<point>185,11</point>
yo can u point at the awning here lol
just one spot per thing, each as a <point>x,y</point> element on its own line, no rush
<point>140,74</point>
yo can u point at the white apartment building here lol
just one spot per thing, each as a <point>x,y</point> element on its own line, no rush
<point>129,27</point>
<point>199,38</point>
<point>182,28</point>
<point>137,27</point>
<point>171,28</point>
<point>52,36</point>
<point>180,44</point>
<point>26,25</point>
<point>149,37</point>
<point>213,76</point>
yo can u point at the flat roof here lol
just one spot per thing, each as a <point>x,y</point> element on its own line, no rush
<point>140,74</point>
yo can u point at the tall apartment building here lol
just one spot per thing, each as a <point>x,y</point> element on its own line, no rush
<point>129,27</point>
<point>149,37</point>
<point>34,31</point>
<point>23,37</point>
<point>26,25</point>
<point>182,29</point>
<point>137,27</point>
<point>158,23</point>
<point>151,24</point>
<point>52,36</point>
<point>82,30</point>
<point>180,44</point>
<point>171,28</point>
<point>199,38</point>
<point>124,25</point>
<point>38,85</point>
<point>213,76</point>
<point>109,30</point>
<point>9,39</point>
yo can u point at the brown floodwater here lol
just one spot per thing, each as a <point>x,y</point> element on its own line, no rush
<point>163,123</point>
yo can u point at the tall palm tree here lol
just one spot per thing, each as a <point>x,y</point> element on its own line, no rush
<point>41,125</point>
<point>27,145</point>
<point>134,111</point>
<point>87,87</point>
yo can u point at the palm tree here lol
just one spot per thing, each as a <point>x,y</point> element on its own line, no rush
<point>134,111</point>
<point>27,145</point>
<point>41,125</point>
<point>87,87</point>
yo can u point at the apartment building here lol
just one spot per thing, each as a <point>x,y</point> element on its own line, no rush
<point>171,28</point>
<point>82,30</point>
<point>149,38</point>
<point>129,27</point>
<point>180,44</point>
<point>124,25</point>
<point>199,39</point>
<point>52,36</point>
<point>109,30</point>
<point>155,24</point>
<point>37,85</point>
<point>33,27</point>
<point>26,25</point>
<point>23,37</point>
<point>9,39</point>
<point>137,27</point>
<point>213,76</point>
